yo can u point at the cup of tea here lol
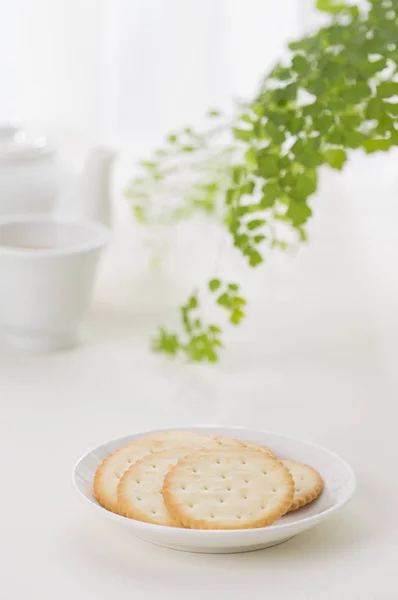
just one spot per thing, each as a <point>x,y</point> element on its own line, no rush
<point>47,271</point>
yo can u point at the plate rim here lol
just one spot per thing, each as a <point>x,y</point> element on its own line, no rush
<point>198,533</point>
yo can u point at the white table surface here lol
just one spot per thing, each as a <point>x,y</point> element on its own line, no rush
<point>316,358</point>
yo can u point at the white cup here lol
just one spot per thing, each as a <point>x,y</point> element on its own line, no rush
<point>47,270</point>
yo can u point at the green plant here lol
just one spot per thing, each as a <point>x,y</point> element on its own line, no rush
<point>336,93</point>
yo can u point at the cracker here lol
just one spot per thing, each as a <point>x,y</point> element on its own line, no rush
<point>180,437</point>
<point>228,488</point>
<point>308,483</point>
<point>228,441</point>
<point>140,489</point>
<point>111,470</point>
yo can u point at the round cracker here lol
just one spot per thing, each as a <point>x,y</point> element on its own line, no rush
<point>111,470</point>
<point>139,492</point>
<point>308,483</point>
<point>180,437</point>
<point>228,441</point>
<point>228,488</point>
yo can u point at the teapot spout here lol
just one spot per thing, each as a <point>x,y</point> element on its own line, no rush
<point>93,198</point>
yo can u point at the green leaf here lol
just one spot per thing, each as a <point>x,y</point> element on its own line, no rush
<point>289,180</point>
<point>304,186</point>
<point>377,145</point>
<point>391,108</point>
<point>336,158</point>
<point>271,192</point>
<point>300,64</point>
<point>238,174</point>
<point>384,125</point>
<point>172,138</point>
<point>337,105</point>
<point>214,113</point>
<point>214,285</point>
<point>375,108</point>
<point>247,188</point>
<point>192,303</point>
<point>350,122</point>
<point>267,165</point>
<point>239,301</point>
<point>310,158</point>
<point>324,122</point>
<point>224,300</point>
<point>279,117</point>
<point>371,45</point>
<point>317,87</point>
<point>387,89</point>
<point>255,207</point>
<point>280,73</point>
<point>139,213</point>
<point>332,71</point>
<point>307,44</point>
<point>354,139</point>
<point>255,257</point>
<point>258,110</point>
<point>284,162</point>
<point>370,68</point>
<point>242,210</point>
<point>241,241</point>
<point>165,342</point>
<point>200,348</point>
<point>276,135</point>
<point>250,158</point>
<point>298,213</point>
<point>259,131</point>
<point>279,244</point>
<point>212,356</point>
<point>236,316</point>
<point>215,329</point>
<point>231,196</point>
<point>353,10</point>
<point>295,125</point>
<point>245,135</point>
<point>330,6</point>
<point>285,94</point>
<point>310,143</point>
<point>233,287</point>
<point>258,239</point>
<point>313,110</point>
<point>147,164</point>
<point>255,224</point>
<point>336,135</point>
<point>355,93</point>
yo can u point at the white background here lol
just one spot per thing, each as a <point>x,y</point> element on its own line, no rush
<point>138,67</point>
<point>316,357</point>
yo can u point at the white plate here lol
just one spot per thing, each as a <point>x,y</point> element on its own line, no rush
<point>338,477</point>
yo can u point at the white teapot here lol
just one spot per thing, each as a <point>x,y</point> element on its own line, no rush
<point>33,180</point>
<point>48,261</point>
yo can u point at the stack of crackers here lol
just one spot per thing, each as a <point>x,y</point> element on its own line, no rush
<point>199,481</point>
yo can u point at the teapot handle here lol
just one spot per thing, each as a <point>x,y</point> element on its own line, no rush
<point>90,197</point>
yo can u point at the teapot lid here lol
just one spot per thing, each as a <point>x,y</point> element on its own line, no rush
<point>16,145</point>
